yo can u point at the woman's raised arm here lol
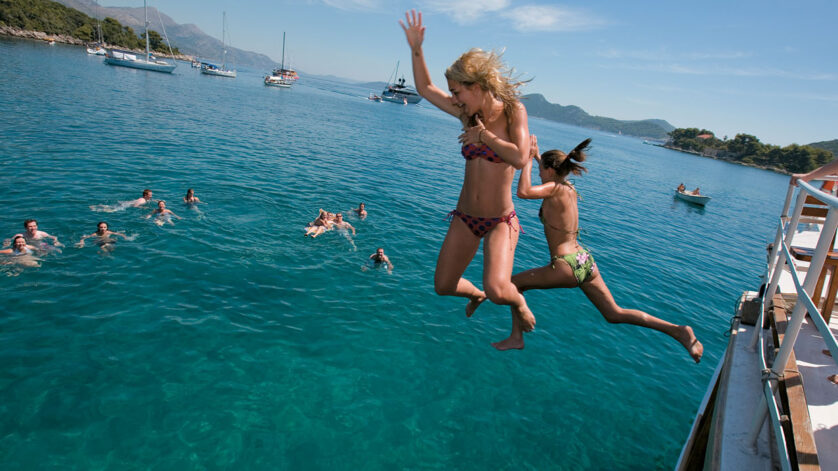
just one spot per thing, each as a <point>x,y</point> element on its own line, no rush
<point>414,31</point>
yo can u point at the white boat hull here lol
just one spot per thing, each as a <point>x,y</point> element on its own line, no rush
<point>690,198</point>
<point>164,67</point>
<point>219,73</point>
<point>273,81</point>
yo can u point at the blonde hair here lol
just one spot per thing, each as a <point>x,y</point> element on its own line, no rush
<point>486,69</point>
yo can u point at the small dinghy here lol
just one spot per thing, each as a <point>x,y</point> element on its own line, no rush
<point>689,197</point>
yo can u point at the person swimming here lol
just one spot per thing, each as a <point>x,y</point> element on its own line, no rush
<point>380,259</point>
<point>21,252</point>
<point>361,211</point>
<point>141,201</point>
<point>19,247</point>
<point>572,265</point>
<point>104,238</point>
<point>162,215</point>
<point>339,223</point>
<point>190,197</point>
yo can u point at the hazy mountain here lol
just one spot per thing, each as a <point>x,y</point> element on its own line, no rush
<point>188,38</point>
<point>538,106</point>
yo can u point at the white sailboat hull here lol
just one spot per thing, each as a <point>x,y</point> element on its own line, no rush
<point>156,66</point>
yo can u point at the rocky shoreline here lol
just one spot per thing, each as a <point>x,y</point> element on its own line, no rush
<point>762,167</point>
<point>65,39</point>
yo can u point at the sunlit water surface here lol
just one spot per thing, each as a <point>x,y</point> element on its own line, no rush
<point>230,341</point>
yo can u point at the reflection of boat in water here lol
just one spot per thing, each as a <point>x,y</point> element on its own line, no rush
<point>398,92</point>
<point>130,59</point>
<point>282,77</point>
<point>692,198</point>
<point>222,70</point>
<point>772,402</point>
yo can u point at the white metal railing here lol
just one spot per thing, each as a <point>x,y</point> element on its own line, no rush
<point>780,253</point>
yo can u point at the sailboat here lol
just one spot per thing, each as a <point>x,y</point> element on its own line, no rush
<point>282,77</point>
<point>97,48</point>
<point>212,69</point>
<point>398,92</point>
<point>130,59</point>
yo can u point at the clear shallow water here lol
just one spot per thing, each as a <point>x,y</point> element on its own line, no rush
<point>231,341</point>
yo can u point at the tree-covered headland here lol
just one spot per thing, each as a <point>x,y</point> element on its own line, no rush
<point>748,150</point>
<point>55,18</point>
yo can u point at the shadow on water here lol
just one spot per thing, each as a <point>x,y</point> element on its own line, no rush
<point>690,208</point>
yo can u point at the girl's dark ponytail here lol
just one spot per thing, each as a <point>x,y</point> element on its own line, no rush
<point>578,152</point>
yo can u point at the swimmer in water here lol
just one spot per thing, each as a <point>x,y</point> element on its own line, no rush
<point>105,239</point>
<point>190,197</point>
<point>379,259</point>
<point>162,215</point>
<point>21,253</point>
<point>19,247</point>
<point>361,211</point>
<point>339,223</point>
<point>142,201</point>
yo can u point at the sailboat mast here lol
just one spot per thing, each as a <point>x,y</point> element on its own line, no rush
<point>223,39</point>
<point>282,67</point>
<point>145,9</point>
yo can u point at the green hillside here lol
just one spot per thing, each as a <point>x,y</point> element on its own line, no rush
<point>831,146</point>
<point>55,18</point>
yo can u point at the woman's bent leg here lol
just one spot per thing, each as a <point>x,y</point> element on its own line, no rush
<point>598,293</point>
<point>457,251</point>
<point>499,257</point>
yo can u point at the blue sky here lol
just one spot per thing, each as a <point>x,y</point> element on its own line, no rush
<point>765,68</point>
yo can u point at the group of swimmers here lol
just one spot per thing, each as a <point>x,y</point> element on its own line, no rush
<point>326,221</point>
<point>484,96</point>
<point>25,246</point>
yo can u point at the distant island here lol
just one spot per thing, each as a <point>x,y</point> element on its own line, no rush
<point>538,106</point>
<point>748,150</point>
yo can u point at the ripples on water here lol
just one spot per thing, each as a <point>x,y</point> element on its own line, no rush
<point>231,341</point>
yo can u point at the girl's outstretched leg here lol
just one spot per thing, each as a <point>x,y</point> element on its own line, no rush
<point>598,293</point>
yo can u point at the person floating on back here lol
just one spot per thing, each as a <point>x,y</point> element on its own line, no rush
<point>572,265</point>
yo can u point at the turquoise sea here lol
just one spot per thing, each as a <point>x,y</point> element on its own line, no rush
<point>230,341</point>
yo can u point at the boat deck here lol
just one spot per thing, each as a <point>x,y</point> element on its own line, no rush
<point>816,367</point>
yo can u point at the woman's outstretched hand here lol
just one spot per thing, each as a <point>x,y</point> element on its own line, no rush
<point>414,31</point>
<point>473,134</point>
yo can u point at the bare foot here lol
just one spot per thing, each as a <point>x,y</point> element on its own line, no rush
<point>688,340</point>
<point>510,343</point>
<point>525,317</point>
<point>473,304</point>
